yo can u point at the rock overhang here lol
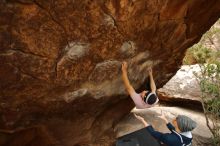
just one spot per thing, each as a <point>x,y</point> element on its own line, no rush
<point>60,57</point>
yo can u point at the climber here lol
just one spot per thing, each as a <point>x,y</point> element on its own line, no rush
<point>180,131</point>
<point>146,98</point>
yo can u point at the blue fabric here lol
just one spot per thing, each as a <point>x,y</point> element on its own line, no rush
<point>170,139</point>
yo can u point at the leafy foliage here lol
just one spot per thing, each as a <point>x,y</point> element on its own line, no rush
<point>210,86</point>
<point>207,55</point>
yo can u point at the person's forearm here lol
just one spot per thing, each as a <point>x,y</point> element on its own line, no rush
<point>145,123</point>
<point>156,134</point>
<point>166,121</point>
<point>152,83</point>
<point>126,81</point>
<point>170,127</point>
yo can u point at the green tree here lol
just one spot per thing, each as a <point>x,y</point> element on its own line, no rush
<point>209,80</point>
<point>207,55</point>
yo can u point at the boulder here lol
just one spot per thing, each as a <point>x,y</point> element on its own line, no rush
<point>60,61</point>
<point>183,88</point>
<point>201,134</point>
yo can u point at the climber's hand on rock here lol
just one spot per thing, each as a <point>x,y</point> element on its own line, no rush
<point>124,67</point>
<point>150,70</point>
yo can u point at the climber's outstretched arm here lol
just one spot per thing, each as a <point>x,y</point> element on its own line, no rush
<point>125,79</point>
<point>152,83</point>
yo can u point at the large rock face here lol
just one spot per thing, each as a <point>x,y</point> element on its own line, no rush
<point>60,77</point>
<point>183,89</point>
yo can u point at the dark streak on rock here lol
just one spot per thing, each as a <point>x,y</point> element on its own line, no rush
<point>28,53</point>
<point>61,51</point>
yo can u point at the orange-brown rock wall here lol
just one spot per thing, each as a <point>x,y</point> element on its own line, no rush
<point>60,60</point>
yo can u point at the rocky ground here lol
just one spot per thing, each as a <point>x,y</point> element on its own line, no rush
<point>129,124</point>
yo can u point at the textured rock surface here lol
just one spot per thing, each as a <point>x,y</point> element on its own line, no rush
<point>183,88</point>
<point>213,41</point>
<point>201,135</point>
<point>60,62</point>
